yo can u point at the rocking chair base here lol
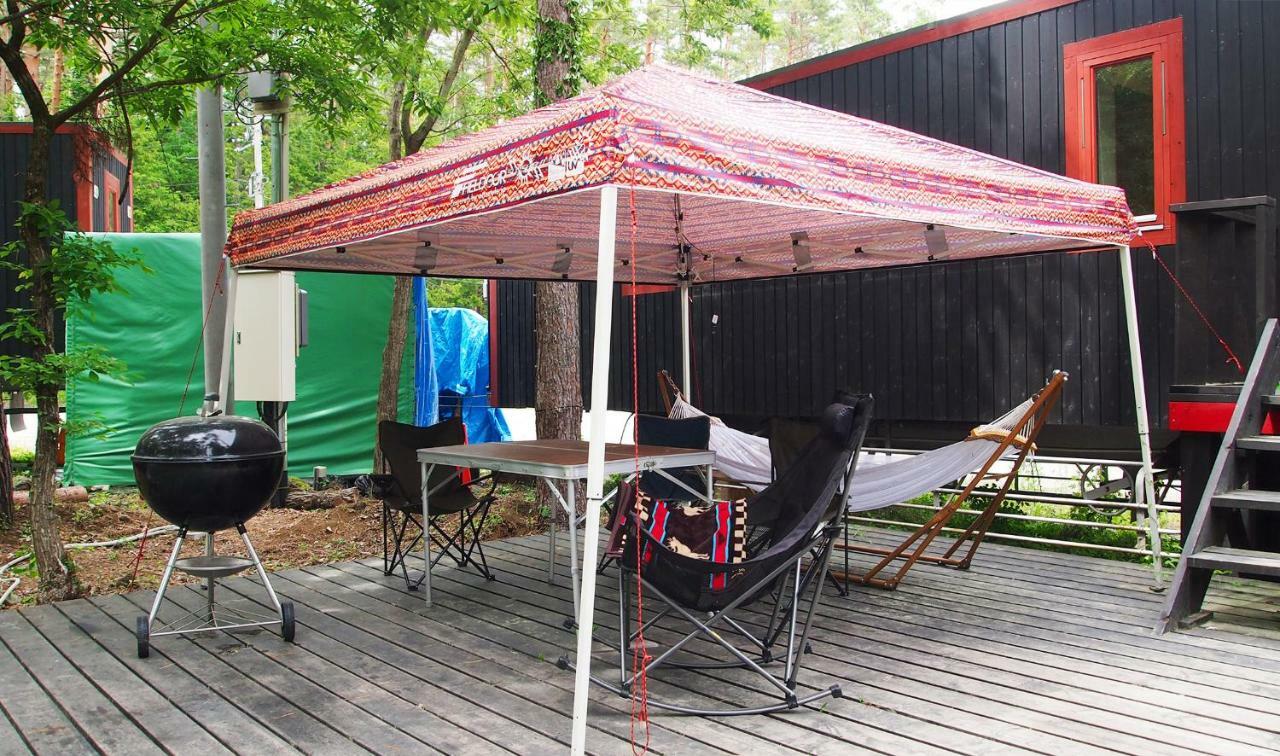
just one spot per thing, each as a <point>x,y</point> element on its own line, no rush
<point>790,702</point>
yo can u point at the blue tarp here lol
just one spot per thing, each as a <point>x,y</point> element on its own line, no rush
<point>457,340</point>
<point>426,409</point>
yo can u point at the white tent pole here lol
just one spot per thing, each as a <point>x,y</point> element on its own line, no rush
<point>1147,477</point>
<point>595,460</point>
<point>686,362</point>
<point>228,336</point>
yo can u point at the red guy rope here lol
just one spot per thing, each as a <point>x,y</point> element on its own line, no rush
<point>640,650</point>
<point>1231,355</point>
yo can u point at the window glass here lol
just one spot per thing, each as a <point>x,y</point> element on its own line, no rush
<point>1126,138</point>
<point>113,212</point>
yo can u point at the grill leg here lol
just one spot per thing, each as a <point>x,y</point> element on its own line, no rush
<point>209,583</point>
<point>262,573</point>
<point>164,578</point>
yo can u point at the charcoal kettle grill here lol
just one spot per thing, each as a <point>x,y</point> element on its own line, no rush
<point>206,474</point>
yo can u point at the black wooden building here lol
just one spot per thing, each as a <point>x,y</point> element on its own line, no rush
<point>90,181</point>
<point>1192,89</point>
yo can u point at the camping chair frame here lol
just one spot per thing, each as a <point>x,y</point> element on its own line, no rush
<point>914,547</point>
<point>790,547</point>
<point>403,528</point>
<point>792,615</point>
<point>463,547</point>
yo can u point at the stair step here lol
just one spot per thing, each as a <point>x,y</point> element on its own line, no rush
<point>1259,443</point>
<point>1243,498</point>
<point>1239,560</point>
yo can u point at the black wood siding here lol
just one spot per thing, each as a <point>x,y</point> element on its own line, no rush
<point>62,187</point>
<point>959,341</point>
<point>962,341</point>
<point>999,89</point>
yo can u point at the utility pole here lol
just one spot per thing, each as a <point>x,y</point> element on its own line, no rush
<point>211,153</point>
<point>257,182</point>
<point>280,156</point>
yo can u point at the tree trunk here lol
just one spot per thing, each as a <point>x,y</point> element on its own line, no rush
<point>401,140</point>
<point>57,581</point>
<point>398,323</point>
<point>558,393</point>
<point>392,358</point>
<point>552,74</point>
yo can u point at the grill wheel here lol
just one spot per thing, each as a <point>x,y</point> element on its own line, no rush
<point>144,637</point>
<point>286,621</point>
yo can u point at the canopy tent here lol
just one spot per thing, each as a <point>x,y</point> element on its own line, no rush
<point>719,182</point>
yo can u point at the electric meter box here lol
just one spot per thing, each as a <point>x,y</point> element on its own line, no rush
<point>266,336</point>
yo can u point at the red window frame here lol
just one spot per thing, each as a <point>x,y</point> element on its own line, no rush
<point>1162,42</point>
<point>111,216</point>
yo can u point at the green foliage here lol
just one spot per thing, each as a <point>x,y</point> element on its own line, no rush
<point>1082,534</point>
<point>560,42</point>
<point>457,292</point>
<point>78,267</point>
<point>22,458</point>
<point>166,176</point>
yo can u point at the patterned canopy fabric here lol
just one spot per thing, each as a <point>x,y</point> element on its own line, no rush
<point>716,181</point>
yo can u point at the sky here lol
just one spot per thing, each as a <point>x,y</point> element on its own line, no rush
<point>902,12</point>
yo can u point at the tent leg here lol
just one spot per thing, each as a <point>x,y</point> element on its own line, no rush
<point>226,401</point>
<point>686,360</point>
<point>1146,484</point>
<point>595,460</point>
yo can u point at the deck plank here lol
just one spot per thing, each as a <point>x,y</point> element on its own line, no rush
<point>233,727</point>
<point>546,634</point>
<point>934,725</point>
<point>475,704</point>
<point>1106,716</point>
<point>107,727</point>
<point>340,699</point>
<point>1027,652</point>
<point>979,644</point>
<point>44,727</point>
<point>525,646</point>
<point>272,710</point>
<point>156,715</point>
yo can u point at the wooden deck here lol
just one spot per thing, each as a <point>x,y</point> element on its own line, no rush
<point>1027,652</point>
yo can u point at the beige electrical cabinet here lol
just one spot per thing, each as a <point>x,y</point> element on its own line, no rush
<point>266,336</point>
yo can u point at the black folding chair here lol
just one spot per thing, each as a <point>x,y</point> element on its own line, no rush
<point>453,492</point>
<point>787,437</point>
<point>791,528</point>
<point>656,430</point>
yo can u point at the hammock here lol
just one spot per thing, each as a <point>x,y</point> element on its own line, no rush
<point>1010,437</point>
<point>877,482</point>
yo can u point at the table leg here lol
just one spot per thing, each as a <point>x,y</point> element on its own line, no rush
<point>711,486</point>
<point>551,538</point>
<point>573,542</point>
<point>426,533</point>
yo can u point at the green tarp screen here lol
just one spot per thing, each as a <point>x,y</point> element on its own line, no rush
<point>153,324</point>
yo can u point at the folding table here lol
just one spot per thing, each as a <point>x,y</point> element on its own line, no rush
<point>562,461</point>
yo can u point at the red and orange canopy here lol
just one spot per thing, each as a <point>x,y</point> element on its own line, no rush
<point>725,182</point>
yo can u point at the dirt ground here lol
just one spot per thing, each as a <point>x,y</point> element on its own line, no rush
<point>283,537</point>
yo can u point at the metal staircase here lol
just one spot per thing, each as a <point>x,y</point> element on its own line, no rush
<point>1218,539</point>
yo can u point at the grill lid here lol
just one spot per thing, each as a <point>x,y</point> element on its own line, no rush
<point>221,438</point>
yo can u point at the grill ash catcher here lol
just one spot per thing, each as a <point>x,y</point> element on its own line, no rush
<point>206,474</point>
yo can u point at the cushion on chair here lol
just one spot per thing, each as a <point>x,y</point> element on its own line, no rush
<point>715,532</point>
